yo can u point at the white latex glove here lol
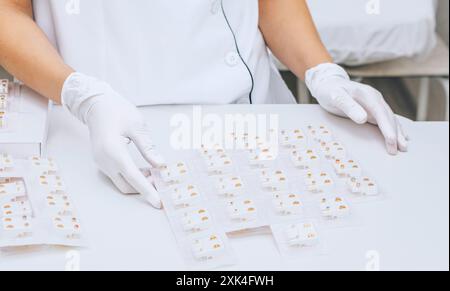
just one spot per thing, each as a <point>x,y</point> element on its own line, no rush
<point>113,123</point>
<point>336,93</point>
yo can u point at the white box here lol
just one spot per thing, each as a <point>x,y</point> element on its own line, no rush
<point>27,133</point>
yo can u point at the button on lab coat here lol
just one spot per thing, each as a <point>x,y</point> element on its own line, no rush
<point>166,51</point>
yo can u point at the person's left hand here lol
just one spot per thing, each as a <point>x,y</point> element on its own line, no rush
<point>113,123</point>
<point>336,93</point>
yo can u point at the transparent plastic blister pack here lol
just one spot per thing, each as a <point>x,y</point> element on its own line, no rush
<point>17,222</point>
<point>244,212</point>
<point>301,187</point>
<point>253,152</point>
<point>203,242</point>
<point>326,167</point>
<point>264,156</point>
<point>314,182</point>
<point>278,195</point>
<point>9,121</point>
<point>299,239</point>
<point>35,206</point>
<point>364,189</point>
<point>336,211</point>
<point>18,225</point>
<point>214,160</point>
<point>355,182</point>
<point>173,173</point>
<point>191,216</point>
<point>6,163</point>
<point>9,107</point>
<point>349,175</point>
<point>183,195</point>
<point>192,220</point>
<point>207,250</point>
<point>287,206</point>
<point>59,211</point>
<point>178,186</point>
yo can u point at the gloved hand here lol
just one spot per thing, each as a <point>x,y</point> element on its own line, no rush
<point>336,93</point>
<point>113,123</point>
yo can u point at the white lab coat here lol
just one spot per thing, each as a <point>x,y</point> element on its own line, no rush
<point>166,51</point>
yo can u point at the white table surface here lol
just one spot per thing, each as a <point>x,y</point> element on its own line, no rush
<point>409,230</point>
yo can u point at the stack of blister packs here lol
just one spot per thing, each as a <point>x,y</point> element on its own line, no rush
<point>35,208</point>
<point>4,103</point>
<point>300,186</point>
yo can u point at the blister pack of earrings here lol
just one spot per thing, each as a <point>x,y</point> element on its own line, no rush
<point>300,185</point>
<point>35,207</point>
<point>9,106</point>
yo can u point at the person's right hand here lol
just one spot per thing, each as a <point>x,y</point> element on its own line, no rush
<point>113,123</point>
